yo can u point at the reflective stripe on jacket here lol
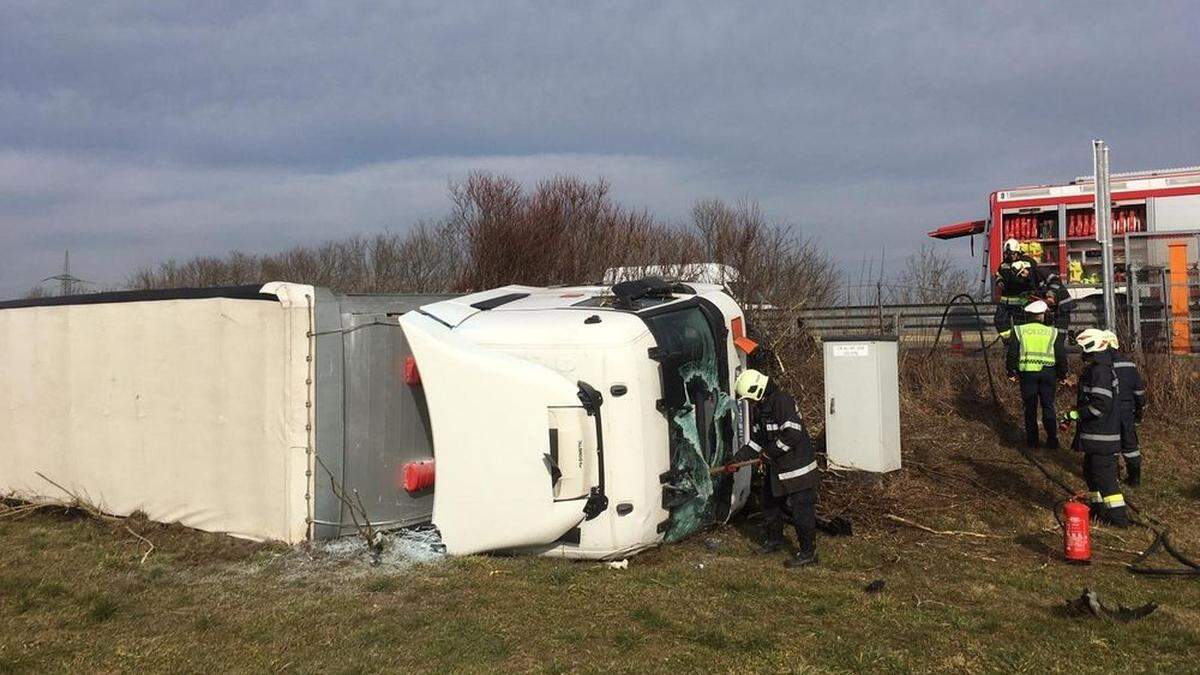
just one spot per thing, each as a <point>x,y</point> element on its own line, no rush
<point>1129,380</point>
<point>779,430</point>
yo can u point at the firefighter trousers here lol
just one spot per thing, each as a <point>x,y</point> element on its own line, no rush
<point>800,507</point>
<point>1037,392</point>
<point>1129,445</point>
<point>1107,503</point>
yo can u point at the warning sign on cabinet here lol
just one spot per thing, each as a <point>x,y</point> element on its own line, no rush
<point>851,350</point>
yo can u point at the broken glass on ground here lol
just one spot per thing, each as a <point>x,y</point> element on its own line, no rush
<point>401,548</point>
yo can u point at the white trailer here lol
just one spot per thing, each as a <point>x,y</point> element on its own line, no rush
<point>578,422</point>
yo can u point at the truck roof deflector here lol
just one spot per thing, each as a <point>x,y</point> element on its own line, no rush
<point>628,292</point>
<point>493,303</point>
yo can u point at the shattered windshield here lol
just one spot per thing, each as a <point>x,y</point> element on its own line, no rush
<point>701,419</point>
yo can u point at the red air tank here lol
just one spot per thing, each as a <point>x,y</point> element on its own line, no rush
<point>418,476</point>
<point>1077,536</point>
<point>412,376</point>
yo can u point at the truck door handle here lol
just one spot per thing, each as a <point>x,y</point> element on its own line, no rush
<point>831,404</point>
<point>591,399</point>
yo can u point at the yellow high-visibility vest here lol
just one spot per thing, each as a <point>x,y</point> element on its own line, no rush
<point>1037,346</point>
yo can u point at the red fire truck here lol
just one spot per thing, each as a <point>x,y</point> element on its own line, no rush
<point>1156,234</point>
<point>1061,219</point>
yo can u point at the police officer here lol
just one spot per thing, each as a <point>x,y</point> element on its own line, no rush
<point>1098,428</point>
<point>1037,359</point>
<point>1016,278</point>
<point>1131,401</point>
<point>779,437</point>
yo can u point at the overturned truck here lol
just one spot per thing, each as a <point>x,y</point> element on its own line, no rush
<point>580,422</point>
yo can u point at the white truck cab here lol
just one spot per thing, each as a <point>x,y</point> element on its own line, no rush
<point>581,422</point>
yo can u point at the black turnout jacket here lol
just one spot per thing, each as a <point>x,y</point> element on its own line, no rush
<point>1098,430</point>
<point>778,432</point>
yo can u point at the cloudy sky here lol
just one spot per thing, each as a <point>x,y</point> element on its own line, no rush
<point>130,132</point>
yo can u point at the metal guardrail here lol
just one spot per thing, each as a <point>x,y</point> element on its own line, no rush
<point>916,321</point>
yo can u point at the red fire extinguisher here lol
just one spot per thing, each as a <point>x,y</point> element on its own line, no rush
<point>1077,536</point>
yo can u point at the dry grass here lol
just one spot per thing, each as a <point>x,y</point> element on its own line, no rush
<point>74,596</point>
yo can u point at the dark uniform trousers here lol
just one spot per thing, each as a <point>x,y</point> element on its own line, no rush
<point>1129,443</point>
<point>800,507</point>
<point>1037,391</point>
<point>1130,402</point>
<point>1100,473</point>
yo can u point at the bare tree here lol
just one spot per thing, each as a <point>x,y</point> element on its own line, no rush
<point>929,276</point>
<point>775,266</point>
<point>565,230</point>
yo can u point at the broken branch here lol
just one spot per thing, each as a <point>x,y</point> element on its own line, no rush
<point>957,533</point>
<point>147,541</point>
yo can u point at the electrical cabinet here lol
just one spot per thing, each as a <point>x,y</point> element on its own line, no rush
<point>862,403</point>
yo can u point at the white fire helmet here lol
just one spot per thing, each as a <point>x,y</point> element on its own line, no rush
<point>1012,245</point>
<point>1092,340</point>
<point>1021,265</point>
<point>1113,341</point>
<point>1037,307</point>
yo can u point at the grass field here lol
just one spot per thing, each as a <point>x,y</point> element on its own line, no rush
<point>75,596</point>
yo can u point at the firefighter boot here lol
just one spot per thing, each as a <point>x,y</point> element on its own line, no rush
<point>801,559</point>
<point>769,546</point>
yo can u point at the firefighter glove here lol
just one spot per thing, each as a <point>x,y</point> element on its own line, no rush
<point>745,454</point>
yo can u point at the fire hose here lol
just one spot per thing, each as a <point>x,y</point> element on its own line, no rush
<point>1162,533</point>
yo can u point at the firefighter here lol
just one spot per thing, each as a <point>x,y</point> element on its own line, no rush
<point>1016,279</point>
<point>1098,428</point>
<point>779,437</point>
<point>1131,402</point>
<point>1054,292</point>
<point>1037,359</point>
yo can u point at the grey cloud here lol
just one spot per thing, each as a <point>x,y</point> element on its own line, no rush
<point>250,123</point>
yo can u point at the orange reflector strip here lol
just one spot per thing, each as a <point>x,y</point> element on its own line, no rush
<point>745,344</point>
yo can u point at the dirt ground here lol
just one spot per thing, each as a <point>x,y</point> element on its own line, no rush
<point>76,595</point>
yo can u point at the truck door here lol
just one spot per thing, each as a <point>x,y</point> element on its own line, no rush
<point>700,413</point>
<point>518,448</point>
